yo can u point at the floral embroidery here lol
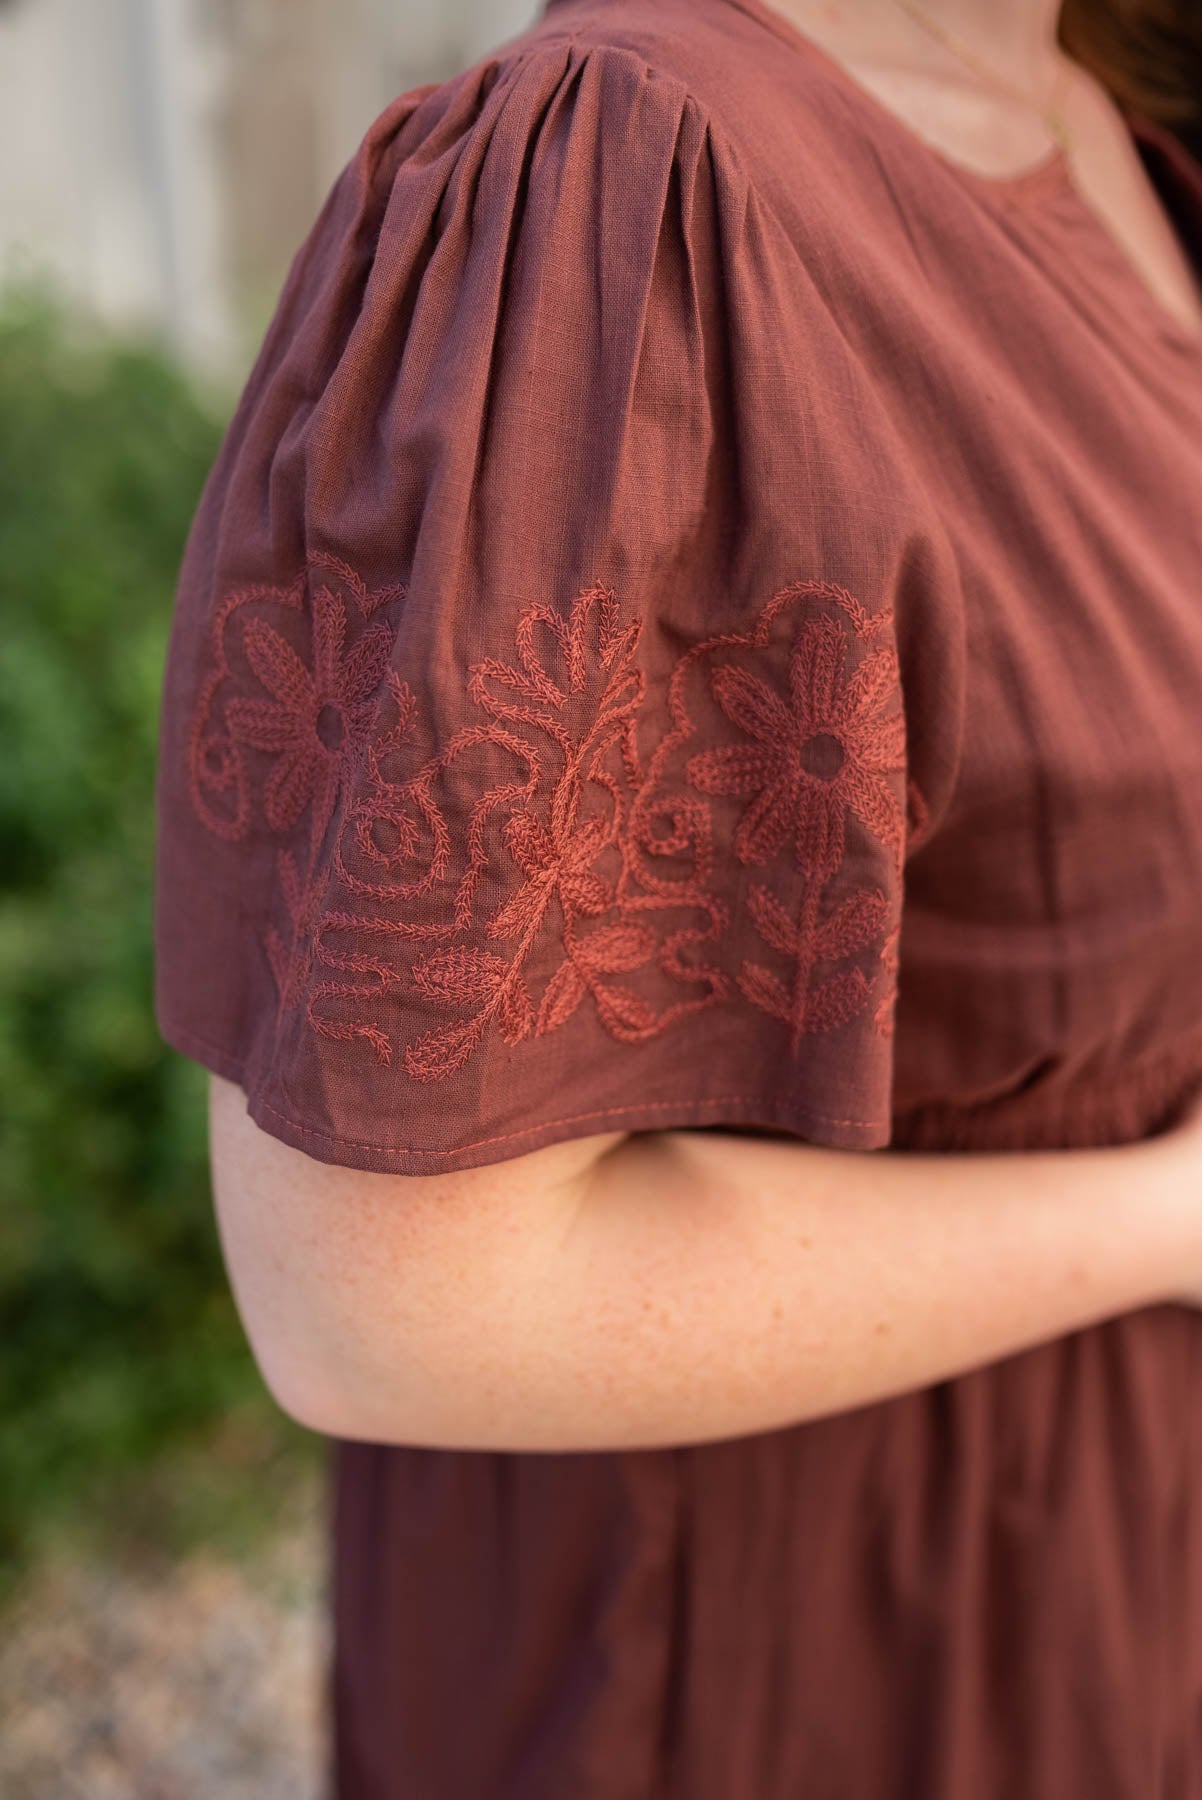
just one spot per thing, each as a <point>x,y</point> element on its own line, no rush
<point>563,719</point>
<point>798,794</point>
<point>317,721</point>
<point>315,724</point>
<point>811,759</point>
<point>537,827</point>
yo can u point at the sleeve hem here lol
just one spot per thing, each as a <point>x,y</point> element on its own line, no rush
<point>680,1112</point>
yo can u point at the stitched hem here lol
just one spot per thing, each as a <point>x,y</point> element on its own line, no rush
<point>825,1129</point>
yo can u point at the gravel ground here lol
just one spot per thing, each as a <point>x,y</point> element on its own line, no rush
<point>201,1681</point>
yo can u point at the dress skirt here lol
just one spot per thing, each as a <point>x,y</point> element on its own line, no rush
<point>987,1589</point>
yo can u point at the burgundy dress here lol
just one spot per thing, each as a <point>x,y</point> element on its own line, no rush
<point>697,621</point>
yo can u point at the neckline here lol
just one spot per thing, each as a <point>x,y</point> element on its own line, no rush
<point>1050,178</point>
<point>1037,177</point>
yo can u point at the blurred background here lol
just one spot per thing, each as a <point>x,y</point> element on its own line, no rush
<point>162,1580</point>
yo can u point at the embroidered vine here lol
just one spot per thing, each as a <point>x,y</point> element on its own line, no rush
<point>561,722</point>
<point>535,826</point>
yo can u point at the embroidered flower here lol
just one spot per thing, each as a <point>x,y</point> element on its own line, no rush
<point>545,783</point>
<point>822,748</point>
<point>556,861</point>
<point>821,753</point>
<point>319,720</point>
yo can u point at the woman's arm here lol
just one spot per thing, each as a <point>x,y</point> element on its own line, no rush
<point>673,1287</point>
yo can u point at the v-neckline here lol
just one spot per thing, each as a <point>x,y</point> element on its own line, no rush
<point>1049,187</point>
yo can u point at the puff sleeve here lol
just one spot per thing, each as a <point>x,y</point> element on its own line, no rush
<point>537,749</point>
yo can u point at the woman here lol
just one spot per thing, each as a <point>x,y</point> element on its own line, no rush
<point>687,673</point>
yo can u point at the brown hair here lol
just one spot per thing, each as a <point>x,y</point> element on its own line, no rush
<point>1147,52</point>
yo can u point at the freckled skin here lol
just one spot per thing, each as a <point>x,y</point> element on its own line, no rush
<point>654,1289</point>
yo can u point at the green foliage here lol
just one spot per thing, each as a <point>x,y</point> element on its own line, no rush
<point>119,1340</point>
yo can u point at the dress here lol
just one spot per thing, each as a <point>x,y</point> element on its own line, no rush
<point>697,621</point>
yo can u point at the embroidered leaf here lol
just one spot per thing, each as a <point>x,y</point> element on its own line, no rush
<point>855,922</point>
<point>769,820</point>
<point>521,912</point>
<point>345,1031</point>
<point>461,974</point>
<point>864,623</point>
<point>764,990</point>
<point>775,925</point>
<point>587,892</point>
<point>624,1013</point>
<point>561,996</point>
<point>404,703</point>
<point>615,947</point>
<point>533,686</point>
<point>884,1015</point>
<point>515,1013</point>
<point>440,1052</point>
<point>835,1001</point>
<point>530,843</point>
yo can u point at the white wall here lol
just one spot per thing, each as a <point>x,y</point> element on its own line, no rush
<point>159,159</point>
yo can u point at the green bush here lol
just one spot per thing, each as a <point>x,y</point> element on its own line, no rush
<point>119,1343</point>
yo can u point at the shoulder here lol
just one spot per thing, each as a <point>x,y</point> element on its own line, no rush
<point>740,63</point>
<point>650,83</point>
<point>586,209</point>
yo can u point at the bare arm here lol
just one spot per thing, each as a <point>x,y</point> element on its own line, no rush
<point>674,1287</point>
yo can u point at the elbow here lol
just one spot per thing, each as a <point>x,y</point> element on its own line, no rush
<point>306,1396</point>
<point>394,1309</point>
<point>350,1387</point>
<point>300,1379</point>
<point>364,1409</point>
<point>374,1371</point>
<point>370,1372</point>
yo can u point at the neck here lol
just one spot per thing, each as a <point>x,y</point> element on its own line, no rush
<point>1018,37</point>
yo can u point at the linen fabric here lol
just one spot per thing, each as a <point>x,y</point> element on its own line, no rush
<point>696,621</point>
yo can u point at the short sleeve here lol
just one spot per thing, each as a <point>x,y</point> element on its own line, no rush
<point>562,667</point>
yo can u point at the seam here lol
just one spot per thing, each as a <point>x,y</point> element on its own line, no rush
<point>605,1112</point>
<point>544,1125</point>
